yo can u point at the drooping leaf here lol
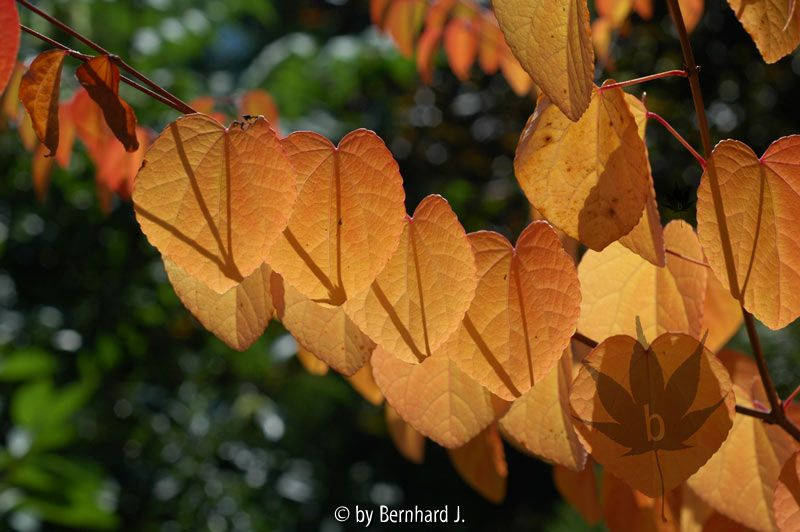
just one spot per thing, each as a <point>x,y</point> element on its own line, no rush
<point>481,462</point>
<point>363,382</point>
<point>461,46</point>
<point>409,442</point>
<point>524,312</point>
<point>100,77</point>
<point>39,92</point>
<point>579,488</point>
<point>239,316</point>
<point>626,509</point>
<point>435,397</point>
<point>213,199</point>
<point>540,421</point>
<point>652,416</point>
<point>311,363</point>
<point>9,45</point>
<point>589,178</point>
<point>619,286</point>
<point>412,308</point>
<point>347,219</point>
<point>41,169</point>
<point>754,451</point>
<point>772,25</point>
<point>762,208</point>
<point>553,44</point>
<point>787,496</point>
<point>9,101</point>
<point>402,20</point>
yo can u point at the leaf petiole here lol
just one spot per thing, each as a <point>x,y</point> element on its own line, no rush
<point>644,79</point>
<point>663,122</point>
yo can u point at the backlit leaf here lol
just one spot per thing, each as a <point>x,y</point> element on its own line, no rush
<point>524,312</point>
<point>412,308</point>
<point>787,496</point>
<point>652,416</point>
<point>310,362</point>
<point>461,46</point>
<point>239,316</point>
<point>9,44</point>
<point>363,382</point>
<point>553,44</point>
<point>619,286</point>
<point>766,22</point>
<point>481,462</point>
<point>589,178</point>
<point>435,397</point>
<point>100,77</point>
<point>722,315</point>
<point>214,199</point>
<point>41,169</point>
<point>39,92</point>
<point>579,488</point>
<point>626,509</point>
<point>403,20</point>
<point>754,451</point>
<point>347,219</point>
<point>409,442</point>
<point>762,207</point>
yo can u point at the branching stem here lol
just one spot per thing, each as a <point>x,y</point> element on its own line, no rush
<point>644,79</point>
<point>678,137</point>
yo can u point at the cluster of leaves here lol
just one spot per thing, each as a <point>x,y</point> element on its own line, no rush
<point>465,336</point>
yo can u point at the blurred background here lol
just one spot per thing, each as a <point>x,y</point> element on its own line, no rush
<point>118,411</point>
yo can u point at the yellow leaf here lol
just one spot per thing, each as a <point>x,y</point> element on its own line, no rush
<point>754,451</point>
<point>722,315</point>
<point>435,397</point>
<point>762,208</point>
<point>772,26</point>
<point>553,44</point>
<point>615,11</point>
<point>589,178</point>
<point>412,308</point>
<point>213,200</point>
<point>310,362</point>
<point>540,421</point>
<point>363,382</point>
<point>619,286</point>
<point>322,329</point>
<point>39,91</point>
<point>787,496</point>
<point>409,442</point>
<point>239,316</point>
<point>652,416</point>
<point>524,311</point>
<point>579,488</point>
<point>347,219</point>
<point>481,462</point>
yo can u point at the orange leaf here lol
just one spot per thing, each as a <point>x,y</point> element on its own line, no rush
<point>9,45</point>
<point>652,416</point>
<point>403,20</point>
<point>644,8</point>
<point>754,451</point>
<point>310,362</point>
<point>524,312</point>
<point>722,315</point>
<point>39,91</point>
<point>787,496</point>
<point>41,168</point>
<point>347,219</point>
<point>481,462</point>
<point>100,77</point>
<point>214,199</point>
<point>579,488</point>
<point>363,382</point>
<point>9,103</point>
<point>461,46</point>
<point>259,102</point>
<point>411,309</point>
<point>490,49</point>
<point>773,26</point>
<point>692,11</point>
<point>519,80</point>
<point>409,442</point>
<point>589,178</point>
<point>554,45</point>
<point>540,421</point>
<point>625,509</point>
<point>239,316</point>
<point>614,11</point>
<point>435,397</point>
<point>427,47</point>
<point>762,208</point>
<point>619,286</point>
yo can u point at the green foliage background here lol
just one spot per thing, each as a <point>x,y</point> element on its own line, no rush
<point>117,411</point>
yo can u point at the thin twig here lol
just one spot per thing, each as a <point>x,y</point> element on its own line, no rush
<point>752,412</point>
<point>661,120</point>
<point>644,79</point>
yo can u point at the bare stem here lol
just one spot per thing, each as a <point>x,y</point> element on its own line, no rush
<point>788,400</point>
<point>644,79</point>
<point>674,133</point>
<point>154,87</point>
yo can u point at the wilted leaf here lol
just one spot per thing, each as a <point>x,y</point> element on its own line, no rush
<point>239,316</point>
<point>762,208</point>
<point>540,421</point>
<point>213,200</point>
<point>481,462</point>
<point>258,102</point>
<point>524,312</point>
<point>787,496</point>
<point>590,178</point>
<point>409,442</point>
<point>435,397</point>
<point>619,286</point>
<point>579,488</point>
<point>754,451</point>
<point>9,45</point>
<point>347,219</point>
<point>39,91</point>
<point>412,308</point>
<point>652,416</point>
<point>310,362</point>
<point>100,77</point>
<point>553,44</point>
<point>771,24</point>
<point>322,329</point>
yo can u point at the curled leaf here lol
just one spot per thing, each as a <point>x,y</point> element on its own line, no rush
<point>39,92</point>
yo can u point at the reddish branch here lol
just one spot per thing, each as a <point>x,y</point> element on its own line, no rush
<point>668,127</point>
<point>644,79</point>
